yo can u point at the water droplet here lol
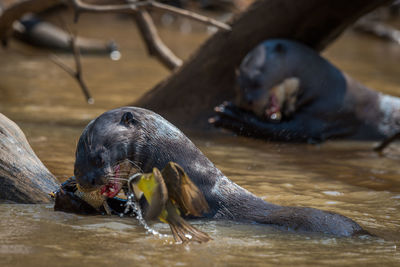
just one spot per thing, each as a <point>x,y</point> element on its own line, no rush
<point>115,55</point>
<point>188,236</point>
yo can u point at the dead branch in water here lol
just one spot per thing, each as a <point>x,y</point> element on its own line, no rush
<point>13,11</point>
<point>155,45</point>
<point>133,7</point>
<point>139,9</point>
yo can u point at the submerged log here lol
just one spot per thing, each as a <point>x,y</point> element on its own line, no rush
<point>23,177</point>
<point>36,32</point>
<point>16,20</point>
<point>187,97</point>
<point>12,10</point>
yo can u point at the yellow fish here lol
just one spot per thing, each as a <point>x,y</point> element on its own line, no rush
<point>169,192</point>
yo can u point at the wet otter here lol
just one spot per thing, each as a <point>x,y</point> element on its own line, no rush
<point>147,140</point>
<point>329,104</point>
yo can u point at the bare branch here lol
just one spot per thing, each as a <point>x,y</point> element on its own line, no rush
<point>134,7</point>
<point>77,73</point>
<point>190,15</point>
<point>56,60</point>
<point>82,7</point>
<point>155,45</point>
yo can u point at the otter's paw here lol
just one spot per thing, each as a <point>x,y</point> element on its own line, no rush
<point>233,118</point>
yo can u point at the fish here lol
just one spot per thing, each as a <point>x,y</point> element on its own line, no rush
<point>170,193</point>
<point>282,99</point>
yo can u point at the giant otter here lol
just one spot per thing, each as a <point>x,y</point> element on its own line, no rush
<point>329,104</point>
<point>147,140</point>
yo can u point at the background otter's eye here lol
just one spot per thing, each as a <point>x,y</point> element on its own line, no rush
<point>279,48</point>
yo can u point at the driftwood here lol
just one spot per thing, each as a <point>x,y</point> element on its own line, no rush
<point>155,45</point>
<point>46,34</point>
<point>187,97</point>
<point>23,177</point>
<point>36,32</point>
<point>12,10</point>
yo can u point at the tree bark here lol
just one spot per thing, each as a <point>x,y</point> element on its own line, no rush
<point>187,97</point>
<point>23,177</point>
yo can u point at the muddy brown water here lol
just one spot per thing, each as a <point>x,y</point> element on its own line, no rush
<point>341,176</point>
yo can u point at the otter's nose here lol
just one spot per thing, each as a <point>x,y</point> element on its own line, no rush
<point>87,181</point>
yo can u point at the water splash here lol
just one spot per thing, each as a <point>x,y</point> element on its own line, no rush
<point>133,205</point>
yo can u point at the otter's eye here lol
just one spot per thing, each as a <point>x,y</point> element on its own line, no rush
<point>98,161</point>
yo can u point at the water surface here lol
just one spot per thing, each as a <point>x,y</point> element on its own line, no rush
<point>341,176</point>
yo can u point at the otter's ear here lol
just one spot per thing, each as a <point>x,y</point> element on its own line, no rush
<point>127,119</point>
<point>280,48</point>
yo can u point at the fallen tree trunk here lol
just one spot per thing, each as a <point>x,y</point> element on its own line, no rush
<point>23,177</point>
<point>187,97</point>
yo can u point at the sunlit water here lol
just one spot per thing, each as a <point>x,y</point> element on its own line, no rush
<point>345,177</point>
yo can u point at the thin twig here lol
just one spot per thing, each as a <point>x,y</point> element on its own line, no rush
<point>133,7</point>
<point>77,73</point>
<point>155,45</point>
<point>56,60</point>
<point>189,14</point>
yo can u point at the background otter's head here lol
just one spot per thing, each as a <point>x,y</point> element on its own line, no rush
<point>272,63</point>
<point>261,69</point>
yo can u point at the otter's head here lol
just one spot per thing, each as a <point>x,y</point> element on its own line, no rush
<point>264,78</point>
<point>124,141</point>
<point>104,153</point>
